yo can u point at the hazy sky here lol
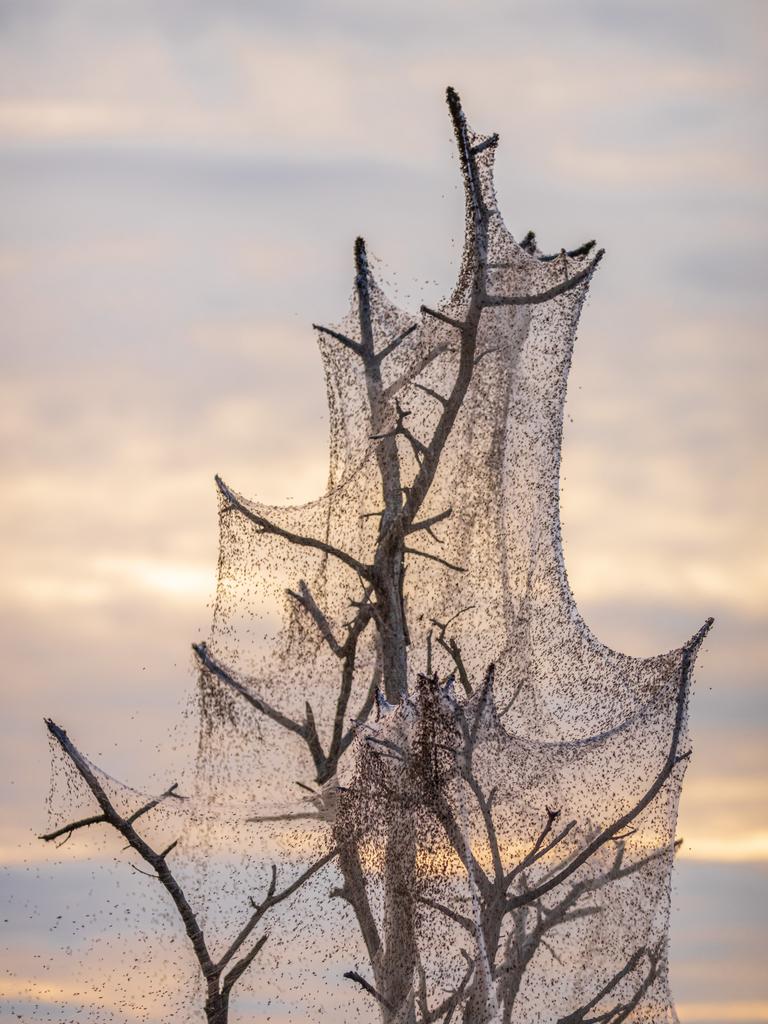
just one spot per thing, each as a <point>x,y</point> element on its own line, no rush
<point>181,185</point>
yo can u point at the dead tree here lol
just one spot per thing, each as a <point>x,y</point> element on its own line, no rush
<point>219,973</point>
<point>407,466</point>
<point>393,954</point>
<point>412,748</point>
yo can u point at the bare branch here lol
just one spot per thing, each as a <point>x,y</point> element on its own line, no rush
<point>434,558</point>
<point>339,739</point>
<point>155,860</point>
<point>528,244</point>
<point>427,524</point>
<point>308,603</point>
<point>419,367</point>
<point>73,827</point>
<point>210,664</point>
<point>313,742</point>
<point>621,1010</point>
<point>265,526</point>
<point>171,846</point>
<point>513,698</point>
<point>400,430</point>
<point>432,394</point>
<point>354,892</point>
<point>468,327</point>
<point>386,453</point>
<point>367,707</point>
<point>628,968</point>
<point>170,792</point>
<point>485,804</point>
<point>355,346</point>
<point>452,648</point>
<point>672,760</point>
<point>550,293</point>
<point>489,143</point>
<point>100,818</point>
<point>539,850</point>
<point>485,701</point>
<point>361,981</point>
<point>271,900</point>
<point>448,912</point>
<point>342,702</point>
<point>486,352</point>
<point>147,874</point>
<point>242,966</point>
<point>388,349</point>
<point>287,816</point>
<point>467,155</point>
<point>582,250</point>
<point>444,318</point>
<point>447,1008</point>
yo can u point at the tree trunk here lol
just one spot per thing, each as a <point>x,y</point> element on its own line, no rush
<point>393,630</point>
<point>399,960</point>
<point>216,1005</point>
<point>481,1005</point>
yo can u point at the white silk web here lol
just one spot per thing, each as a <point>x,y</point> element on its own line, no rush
<point>494,790</point>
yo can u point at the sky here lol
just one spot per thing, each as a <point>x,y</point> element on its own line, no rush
<point>180,186</point>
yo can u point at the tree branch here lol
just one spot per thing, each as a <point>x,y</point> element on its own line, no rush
<point>427,524</point>
<point>355,346</point>
<point>538,850</point>
<point>265,526</point>
<point>368,987</point>
<point>444,318</point>
<point>366,708</point>
<point>386,454</point>
<point>419,367</point>
<point>171,791</point>
<point>550,293</point>
<point>388,349</point>
<point>400,430</point>
<point>621,1011</point>
<point>155,860</point>
<point>672,760</point>
<point>242,966</point>
<point>434,558</point>
<point>448,912</point>
<point>453,648</point>
<point>73,827</point>
<point>477,257</point>
<point>432,393</point>
<point>308,603</point>
<point>272,899</point>
<point>489,143</point>
<point>448,1006</point>
<point>582,250</point>
<point>210,664</point>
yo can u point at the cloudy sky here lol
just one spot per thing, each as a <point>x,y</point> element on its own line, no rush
<point>181,184</point>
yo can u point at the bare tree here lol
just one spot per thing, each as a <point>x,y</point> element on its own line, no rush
<point>393,953</point>
<point>488,989</point>
<point>415,752</point>
<point>219,974</point>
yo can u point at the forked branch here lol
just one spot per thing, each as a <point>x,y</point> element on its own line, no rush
<point>550,293</point>
<point>272,899</point>
<point>620,1011</point>
<point>672,760</point>
<point>218,984</point>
